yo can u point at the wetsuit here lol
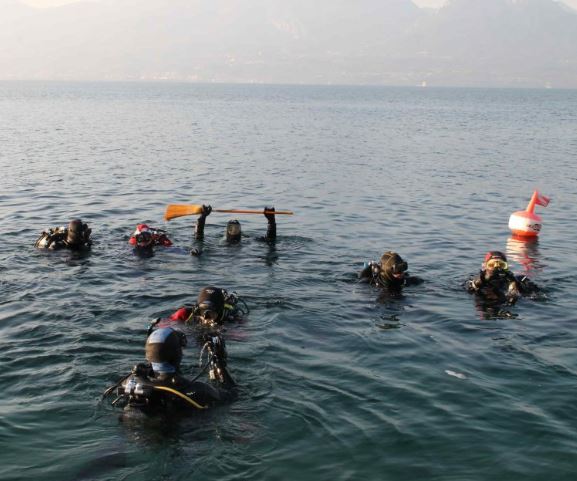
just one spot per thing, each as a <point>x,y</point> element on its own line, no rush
<point>501,286</point>
<point>158,237</point>
<point>271,227</point>
<point>159,384</point>
<point>150,392</point>
<point>373,274</point>
<point>62,238</point>
<point>226,308</point>
<point>233,230</point>
<point>201,221</point>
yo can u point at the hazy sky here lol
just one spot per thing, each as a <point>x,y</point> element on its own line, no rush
<point>290,44</point>
<point>421,3</point>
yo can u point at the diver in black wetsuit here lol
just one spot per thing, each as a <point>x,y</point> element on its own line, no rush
<point>76,236</point>
<point>233,228</point>
<point>390,273</point>
<point>214,307</point>
<point>159,385</point>
<point>497,284</point>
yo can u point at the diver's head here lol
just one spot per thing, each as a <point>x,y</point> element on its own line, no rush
<point>393,267</point>
<point>233,231</point>
<point>211,305</point>
<point>77,233</point>
<point>164,349</point>
<point>143,240</point>
<point>141,228</point>
<point>143,237</point>
<point>495,263</point>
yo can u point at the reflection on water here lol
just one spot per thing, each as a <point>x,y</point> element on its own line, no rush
<point>491,308</point>
<point>525,252</point>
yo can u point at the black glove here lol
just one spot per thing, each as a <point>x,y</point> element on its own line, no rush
<point>217,348</point>
<point>527,286</point>
<point>153,323</point>
<point>474,285</point>
<point>206,210</point>
<point>270,217</point>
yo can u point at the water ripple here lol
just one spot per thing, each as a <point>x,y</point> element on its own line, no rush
<point>336,380</point>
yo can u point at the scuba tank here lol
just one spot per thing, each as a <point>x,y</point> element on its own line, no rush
<point>136,390</point>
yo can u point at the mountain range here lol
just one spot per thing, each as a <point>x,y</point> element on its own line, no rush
<point>512,43</point>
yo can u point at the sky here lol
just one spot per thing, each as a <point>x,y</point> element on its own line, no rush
<point>420,3</point>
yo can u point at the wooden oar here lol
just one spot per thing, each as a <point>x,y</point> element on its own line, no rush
<point>179,210</point>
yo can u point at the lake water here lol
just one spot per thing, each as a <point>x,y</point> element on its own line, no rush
<point>336,383</point>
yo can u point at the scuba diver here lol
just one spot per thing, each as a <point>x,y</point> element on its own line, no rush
<point>390,273</point>
<point>144,238</point>
<point>233,231</point>
<point>159,385</point>
<point>497,284</point>
<point>74,237</point>
<point>213,308</point>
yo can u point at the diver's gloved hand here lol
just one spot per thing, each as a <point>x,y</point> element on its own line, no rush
<point>373,268</point>
<point>476,284</point>
<point>152,325</point>
<point>231,298</point>
<point>206,210</point>
<point>217,348</point>
<point>270,216</point>
<point>513,291</point>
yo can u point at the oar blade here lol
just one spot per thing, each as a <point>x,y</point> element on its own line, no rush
<point>179,210</point>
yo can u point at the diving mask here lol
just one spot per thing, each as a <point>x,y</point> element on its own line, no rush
<point>493,264</point>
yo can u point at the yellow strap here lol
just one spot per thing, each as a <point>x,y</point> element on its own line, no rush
<point>180,395</point>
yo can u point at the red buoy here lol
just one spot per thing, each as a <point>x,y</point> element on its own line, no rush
<point>525,223</point>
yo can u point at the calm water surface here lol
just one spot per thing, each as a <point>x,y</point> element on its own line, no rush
<point>336,384</point>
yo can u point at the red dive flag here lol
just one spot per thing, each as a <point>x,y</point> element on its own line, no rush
<point>542,200</point>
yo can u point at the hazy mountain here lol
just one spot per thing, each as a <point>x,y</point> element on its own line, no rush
<point>474,42</point>
<point>524,42</point>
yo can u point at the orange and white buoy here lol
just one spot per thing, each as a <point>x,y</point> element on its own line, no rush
<point>525,223</point>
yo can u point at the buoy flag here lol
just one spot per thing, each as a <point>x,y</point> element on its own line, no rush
<point>542,200</point>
